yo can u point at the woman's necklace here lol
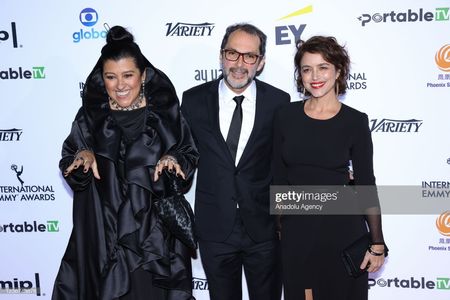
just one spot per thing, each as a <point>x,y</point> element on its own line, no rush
<point>136,104</point>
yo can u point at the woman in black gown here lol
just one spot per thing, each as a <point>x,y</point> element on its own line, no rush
<point>127,131</point>
<point>314,140</point>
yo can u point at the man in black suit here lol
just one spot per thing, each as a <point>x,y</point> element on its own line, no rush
<point>231,121</point>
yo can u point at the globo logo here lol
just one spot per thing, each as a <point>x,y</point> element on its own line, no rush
<point>88,17</point>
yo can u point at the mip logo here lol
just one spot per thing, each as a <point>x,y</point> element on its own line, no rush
<point>5,35</point>
<point>88,17</point>
<point>286,34</point>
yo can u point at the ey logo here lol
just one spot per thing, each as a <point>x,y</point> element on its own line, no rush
<point>286,34</point>
<point>442,58</point>
<point>443,223</point>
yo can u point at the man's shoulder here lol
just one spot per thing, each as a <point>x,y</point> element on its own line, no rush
<point>262,85</point>
<point>201,88</point>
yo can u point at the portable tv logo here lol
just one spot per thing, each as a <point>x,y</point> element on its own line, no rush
<point>188,29</point>
<point>391,125</point>
<point>27,227</point>
<point>12,34</point>
<point>23,73</point>
<point>441,283</point>
<point>88,17</point>
<point>288,34</point>
<point>16,286</point>
<point>440,14</point>
<point>442,58</point>
<point>443,223</point>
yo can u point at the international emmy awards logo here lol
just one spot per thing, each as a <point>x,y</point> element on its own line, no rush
<point>18,173</point>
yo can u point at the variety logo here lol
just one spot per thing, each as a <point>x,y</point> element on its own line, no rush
<point>51,226</point>
<point>441,283</point>
<point>188,29</point>
<point>16,286</point>
<point>442,58</point>
<point>443,223</point>
<point>19,73</point>
<point>23,192</point>
<point>356,81</point>
<point>88,17</point>
<point>288,34</point>
<point>199,283</point>
<point>5,35</point>
<point>10,135</point>
<point>391,125</point>
<point>440,14</point>
<point>207,75</point>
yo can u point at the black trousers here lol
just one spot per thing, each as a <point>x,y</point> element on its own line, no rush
<point>223,263</point>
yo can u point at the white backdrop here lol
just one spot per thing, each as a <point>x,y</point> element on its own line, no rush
<point>400,77</point>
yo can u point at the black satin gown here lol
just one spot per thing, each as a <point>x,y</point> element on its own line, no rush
<point>119,248</point>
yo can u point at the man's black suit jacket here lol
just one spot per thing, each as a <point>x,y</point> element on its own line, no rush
<point>220,184</point>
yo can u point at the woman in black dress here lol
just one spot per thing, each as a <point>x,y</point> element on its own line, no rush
<point>128,130</point>
<point>314,141</point>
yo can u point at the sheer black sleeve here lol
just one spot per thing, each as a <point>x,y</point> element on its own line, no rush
<point>362,160</point>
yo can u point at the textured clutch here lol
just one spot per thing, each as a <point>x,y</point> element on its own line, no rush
<point>176,214</point>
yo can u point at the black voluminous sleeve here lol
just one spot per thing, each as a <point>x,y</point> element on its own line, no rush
<point>77,140</point>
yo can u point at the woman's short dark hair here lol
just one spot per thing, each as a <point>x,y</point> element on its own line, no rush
<point>120,44</point>
<point>331,51</point>
<point>250,29</point>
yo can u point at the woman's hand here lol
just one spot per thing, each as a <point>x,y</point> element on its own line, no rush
<point>374,262</point>
<point>170,163</point>
<point>85,159</point>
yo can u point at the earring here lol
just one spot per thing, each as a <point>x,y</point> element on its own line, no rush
<point>303,92</point>
<point>141,94</point>
<point>337,89</point>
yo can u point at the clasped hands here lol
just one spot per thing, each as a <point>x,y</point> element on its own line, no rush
<point>86,159</point>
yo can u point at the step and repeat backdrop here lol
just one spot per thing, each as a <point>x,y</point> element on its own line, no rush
<point>400,52</point>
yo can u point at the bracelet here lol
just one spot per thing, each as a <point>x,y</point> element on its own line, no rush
<point>169,158</point>
<point>374,253</point>
<point>378,243</point>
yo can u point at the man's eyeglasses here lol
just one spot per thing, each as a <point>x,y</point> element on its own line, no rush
<point>233,55</point>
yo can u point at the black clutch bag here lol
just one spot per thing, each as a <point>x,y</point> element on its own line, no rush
<point>353,255</point>
<point>176,214</point>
